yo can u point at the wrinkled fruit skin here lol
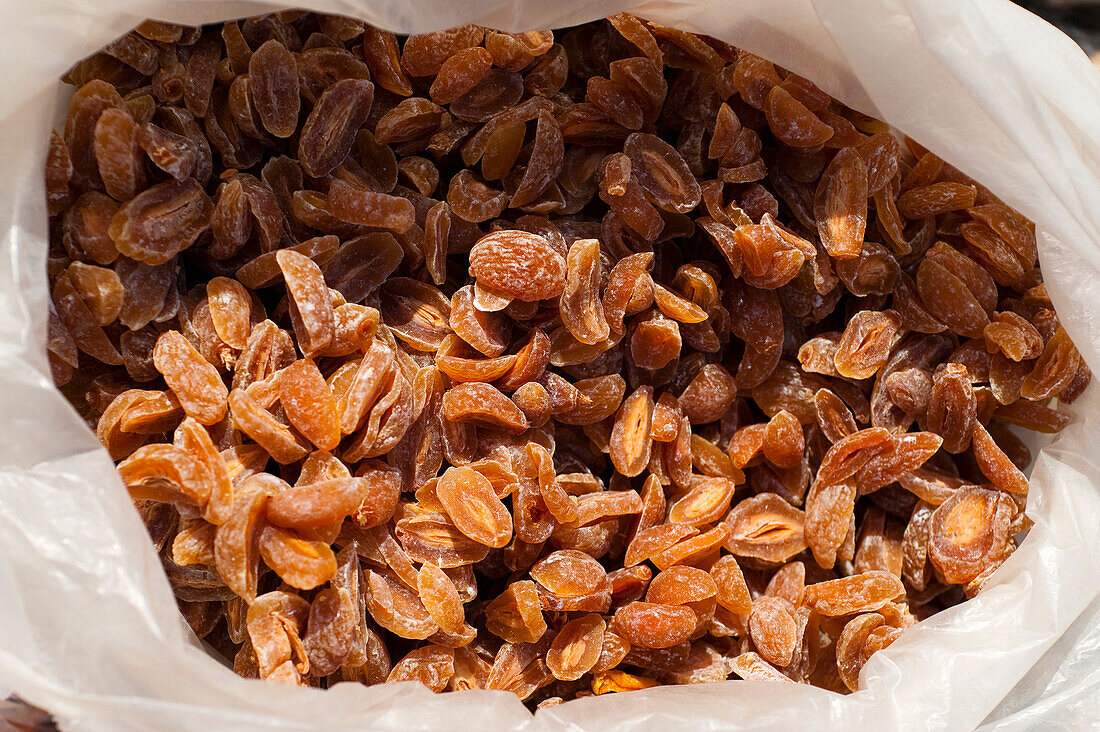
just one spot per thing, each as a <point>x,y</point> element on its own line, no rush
<point>562,363</point>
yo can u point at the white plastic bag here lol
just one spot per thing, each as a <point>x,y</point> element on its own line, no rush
<point>88,627</point>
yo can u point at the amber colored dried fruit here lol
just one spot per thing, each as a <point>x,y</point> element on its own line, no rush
<point>687,586</point>
<point>855,594</point>
<point>773,630</point>
<point>621,284</point>
<point>751,667</point>
<point>634,30</point>
<point>995,464</point>
<point>150,412</point>
<point>615,101</point>
<point>792,123</point>
<point>460,73</point>
<point>165,473</point>
<point>576,648</point>
<point>298,562</point>
<point>630,441</point>
<point>520,264</point>
<point>851,651</point>
<point>518,669</point>
<point>662,173</point>
<point>1013,336</point>
<point>309,404</point>
<point>59,170</point>
<point>474,507</point>
<point>952,408</point>
<point>397,608</point>
<point>968,533</point>
<point>194,438</point>
<point>706,502</point>
<point>829,512</point>
<point>765,527</point>
<point>935,198</point>
<point>840,205</point>
<point>483,404</point>
<point>866,342</point>
<point>708,395</point>
<point>733,592</point>
<point>99,288</point>
<point>1054,370</point>
<point>381,53</point>
<point>87,104</point>
<point>653,540</point>
<point>275,622</point>
<point>949,298</point>
<point>655,342</point>
<point>357,205</point>
<point>783,440</point>
<point>230,310</point>
<point>317,504</point>
<point>311,313</point>
<point>516,614</point>
<point>581,309</point>
<point>848,455</point>
<point>362,264</point>
<point>486,332</point>
<point>614,681</point>
<point>652,625</point>
<point>431,665</point>
<point>116,152</point>
<point>570,573</point>
<point>440,598</point>
<point>544,164</point>
<point>194,381</point>
<point>424,53</point>
<point>236,543</point>
<point>82,324</point>
<point>85,227</point>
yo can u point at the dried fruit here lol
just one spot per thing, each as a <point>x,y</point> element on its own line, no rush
<point>630,441</point>
<point>856,594</point>
<point>470,501</point>
<point>196,383</point>
<point>969,532</point>
<point>520,264</point>
<point>773,630</point>
<point>840,205</point>
<point>574,345</point>
<point>581,309</point>
<point>273,73</point>
<point>161,221</point>
<point>576,648</point>
<point>765,527</point>
<point>329,132</point>
<point>652,625</point>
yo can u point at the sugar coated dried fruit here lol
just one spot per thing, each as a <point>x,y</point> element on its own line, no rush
<point>563,362</point>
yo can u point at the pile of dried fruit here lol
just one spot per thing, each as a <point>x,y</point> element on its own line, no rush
<point>491,361</point>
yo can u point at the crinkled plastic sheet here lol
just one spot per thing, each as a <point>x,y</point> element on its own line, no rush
<point>88,627</point>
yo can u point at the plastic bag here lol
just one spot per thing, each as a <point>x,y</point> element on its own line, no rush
<point>88,627</point>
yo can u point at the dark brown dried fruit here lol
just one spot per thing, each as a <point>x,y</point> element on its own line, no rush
<point>162,221</point>
<point>273,73</point>
<point>662,173</point>
<point>329,132</point>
